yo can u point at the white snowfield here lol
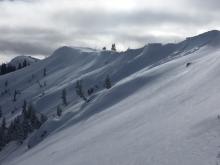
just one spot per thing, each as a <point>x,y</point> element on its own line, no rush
<point>162,109</point>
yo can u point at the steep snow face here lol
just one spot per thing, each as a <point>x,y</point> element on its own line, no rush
<point>159,111</point>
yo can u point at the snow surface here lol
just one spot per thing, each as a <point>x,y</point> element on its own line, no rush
<point>158,112</point>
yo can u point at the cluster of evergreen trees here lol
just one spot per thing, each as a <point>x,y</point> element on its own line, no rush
<point>80,91</point>
<point>5,68</point>
<point>23,65</point>
<point>21,126</point>
<point>113,48</point>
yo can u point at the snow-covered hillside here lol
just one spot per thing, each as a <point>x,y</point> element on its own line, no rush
<point>21,59</point>
<point>162,108</point>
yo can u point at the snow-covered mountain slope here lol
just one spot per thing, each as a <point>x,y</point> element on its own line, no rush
<point>162,108</point>
<point>20,60</point>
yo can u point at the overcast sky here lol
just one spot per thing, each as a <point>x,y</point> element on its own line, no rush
<point>38,27</point>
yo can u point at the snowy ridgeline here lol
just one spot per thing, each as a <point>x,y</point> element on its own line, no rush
<point>155,105</point>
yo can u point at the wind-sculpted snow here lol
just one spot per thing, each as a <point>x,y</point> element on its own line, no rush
<point>162,108</point>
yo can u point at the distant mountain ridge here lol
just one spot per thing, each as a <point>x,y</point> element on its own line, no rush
<point>20,59</point>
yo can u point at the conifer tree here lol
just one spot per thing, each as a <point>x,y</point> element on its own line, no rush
<point>79,90</point>
<point>3,68</point>
<point>20,134</point>
<point>3,126</point>
<point>24,63</point>
<point>64,99</point>
<point>29,110</point>
<point>43,118</point>
<point>59,111</point>
<point>108,83</point>
<point>0,112</point>
<point>45,72</point>
<point>15,95</point>
<point>2,140</point>
<point>19,66</point>
<point>35,123</point>
<point>27,128</point>
<point>113,47</point>
<point>6,83</point>
<point>24,109</point>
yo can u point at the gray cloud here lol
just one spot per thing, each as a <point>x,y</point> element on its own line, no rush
<point>102,19</point>
<point>208,5</point>
<point>30,41</point>
<point>33,27</point>
<point>24,48</point>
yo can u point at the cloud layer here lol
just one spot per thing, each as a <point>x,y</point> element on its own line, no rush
<point>38,27</point>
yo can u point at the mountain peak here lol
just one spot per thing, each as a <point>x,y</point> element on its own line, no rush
<point>20,59</point>
<point>210,34</point>
<point>206,35</point>
<point>210,38</point>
